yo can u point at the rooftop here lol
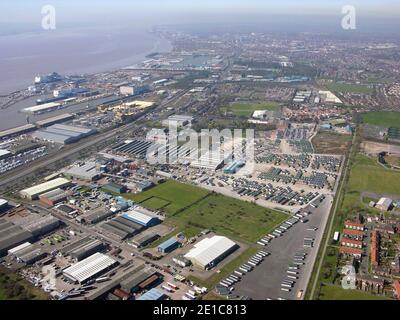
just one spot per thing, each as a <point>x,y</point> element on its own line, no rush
<point>209,249</point>
<point>89,267</point>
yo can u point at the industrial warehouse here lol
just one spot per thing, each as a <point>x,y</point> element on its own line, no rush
<point>53,197</point>
<point>122,228</point>
<point>53,120</point>
<point>11,236</point>
<point>178,121</point>
<point>97,215</point>
<point>46,107</point>
<point>210,161</point>
<point>210,251</point>
<point>129,223</point>
<point>137,148</point>
<point>34,192</point>
<point>17,131</point>
<point>27,253</point>
<point>63,134</point>
<point>89,268</point>
<point>83,248</point>
<point>140,280</point>
<point>142,217</point>
<point>39,225</point>
<point>169,245</point>
<point>87,171</point>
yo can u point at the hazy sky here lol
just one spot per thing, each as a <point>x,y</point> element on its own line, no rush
<point>149,12</point>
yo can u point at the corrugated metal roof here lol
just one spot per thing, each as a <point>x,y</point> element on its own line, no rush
<point>45,187</point>
<point>17,130</point>
<point>209,249</point>
<point>42,107</point>
<point>153,294</point>
<point>49,136</point>
<point>168,243</point>
<point>138,217</point>
<point>19,248</point>
<point>89,267</point>
<point>54,194</point>
<point>72,128</point>
<point>62,132</point>
<point>88,170</point>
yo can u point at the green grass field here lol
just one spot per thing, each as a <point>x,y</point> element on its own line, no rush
<point>12,287</point>
<point>367,175</point>
<point>192,209</point>
<point>247,109</point>
<point>155,203</point>
<point>233,218</point>
<point>178,195</point>
<point>349,88</point>
<point>383,119</point>
<point>331,292</point>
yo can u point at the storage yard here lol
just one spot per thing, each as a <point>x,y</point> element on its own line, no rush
<point>197,224</point>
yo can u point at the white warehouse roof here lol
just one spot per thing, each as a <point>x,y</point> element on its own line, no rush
<point>44,187</point>
<point>4,152</point>
<point>209,249</point>
<point>41,107</point>
<point>385,202</point>
<point>19,248</point>
<point>89,267</point>
<point>139,216</point>
<point>259,113</point>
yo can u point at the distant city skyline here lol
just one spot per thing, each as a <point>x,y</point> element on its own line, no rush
<point>77,11</point>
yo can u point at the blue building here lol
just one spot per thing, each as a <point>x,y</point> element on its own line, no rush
<point>144,185</point>
<point>115,187</point>
<point>169,245</point>
<point>153,294</point>
<point>234,167</point>
<point>141,218</point>
<point>326,126</point>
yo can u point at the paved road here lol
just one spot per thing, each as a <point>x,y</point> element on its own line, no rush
<point>345,172</point>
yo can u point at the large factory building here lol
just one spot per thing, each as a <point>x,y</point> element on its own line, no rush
<point>34,192</point>
<point>63,134</point>
<point>210,251</point>
<point>89,268</point>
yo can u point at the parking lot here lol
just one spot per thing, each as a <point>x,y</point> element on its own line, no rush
<point>21,159</point>
<point>265,281</point>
